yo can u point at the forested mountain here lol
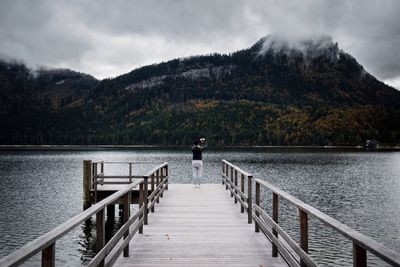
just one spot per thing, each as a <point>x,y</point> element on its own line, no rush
<point>276,92</point>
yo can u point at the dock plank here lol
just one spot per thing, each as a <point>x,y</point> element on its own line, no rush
<point>199,227</point>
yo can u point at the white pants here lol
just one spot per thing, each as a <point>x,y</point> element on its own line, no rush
<point>197,166</point>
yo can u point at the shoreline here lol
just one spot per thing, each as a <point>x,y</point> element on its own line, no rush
<point>131,147</point>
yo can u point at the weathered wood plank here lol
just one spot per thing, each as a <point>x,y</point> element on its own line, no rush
<point>199,226</point>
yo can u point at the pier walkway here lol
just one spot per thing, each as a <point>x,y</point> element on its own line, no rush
<point>199,227</point>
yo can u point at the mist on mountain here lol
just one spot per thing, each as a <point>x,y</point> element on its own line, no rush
<point>280,91</point>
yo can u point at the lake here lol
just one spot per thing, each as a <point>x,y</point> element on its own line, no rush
<point>41,189</point>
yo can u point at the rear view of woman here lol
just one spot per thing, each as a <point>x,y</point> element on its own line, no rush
<point>197,163</point>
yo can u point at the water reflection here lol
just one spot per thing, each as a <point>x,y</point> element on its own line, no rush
<point>87,237</point>
<point>87,244</point>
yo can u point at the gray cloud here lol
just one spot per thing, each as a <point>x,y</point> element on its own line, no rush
<point>107,38</point>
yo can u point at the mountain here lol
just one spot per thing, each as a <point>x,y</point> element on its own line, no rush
<point>280,91</point>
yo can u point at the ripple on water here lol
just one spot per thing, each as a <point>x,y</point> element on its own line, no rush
<point>41,189</point>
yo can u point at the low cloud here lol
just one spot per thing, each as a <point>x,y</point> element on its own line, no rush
<point>108,38</point>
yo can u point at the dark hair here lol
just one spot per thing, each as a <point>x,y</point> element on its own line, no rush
<point>196,142</point>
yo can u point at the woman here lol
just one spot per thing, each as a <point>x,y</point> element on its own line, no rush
<point>197,163</point>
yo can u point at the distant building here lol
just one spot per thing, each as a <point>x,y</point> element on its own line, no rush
<point>371,143</point>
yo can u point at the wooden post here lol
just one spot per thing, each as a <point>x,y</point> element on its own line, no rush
<point>127,201</point>
<point>275,219</point>
<point>242,189</point>
<point>257,227</point>
<point>226,174</point>
<point>100,232</point>
<point>303,233</point>
<point>231,175</point>
<point>95,170</point>
<point>130,172</point>
<point>111,213</point>
<point>94,181</point>
<point>152,190</point>
<point>249,200</point>
<point>94,185</point>
<point>162,179</point>
<point>49,256</point>
<point>166,174</point>
<point>145,199</point>
<point>223,171</point>
<point>87,165</point>
<point>157,183</point>
<point>236,183</point>
<point>141,195</point>
<point>359,256</point>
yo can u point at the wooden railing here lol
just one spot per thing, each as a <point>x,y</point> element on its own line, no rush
<point>106,253</point>
<point>230,178</point>
<point>98,176</point>
<point>282,243</point>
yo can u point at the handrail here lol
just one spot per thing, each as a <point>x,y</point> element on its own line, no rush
<point>270,227</point>
<point>98,178</point>
<point>153,171</point>
<point>367,243</point>
<point>39,244</point>
<point>118,176</point>
<point>46,242</point>
<point>127,162</point>
<point>237,168</point>
<point>130,176</point>
<point>228,169</point>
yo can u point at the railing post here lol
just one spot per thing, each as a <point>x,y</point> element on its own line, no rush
<point>242,189</point>
<point>166,175</point>
<point>100,232</point>
<point>223,170</point>
<point>359,256</point>
<point>162,179</point>
<point>130,172</point>
<point>152,190</point>
<point>257,227</point>
<point>49,256</point>
<point>231,175</point>
<point>127,204</point>
<point>303,233</point>
<point>94,171</point>
<point>157,183</point>
<point>249,199</point>
<point>236,183</point>
<point>141,200</point>
<point>275,219</point>
<point>87,175</point>
<point>146,199</point>
<point>226,174</point>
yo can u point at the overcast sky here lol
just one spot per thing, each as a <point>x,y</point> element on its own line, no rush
<point>106,38</point>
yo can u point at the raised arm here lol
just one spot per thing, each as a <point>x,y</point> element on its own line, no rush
<point>203,143</point>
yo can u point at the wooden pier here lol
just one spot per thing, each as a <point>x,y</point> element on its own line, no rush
<point>215,225</point>
<point>199,227</point>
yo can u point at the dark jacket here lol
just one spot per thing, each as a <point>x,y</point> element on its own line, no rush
<point>197,152</point>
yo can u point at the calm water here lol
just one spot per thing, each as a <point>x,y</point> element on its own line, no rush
<point>40,190</point>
